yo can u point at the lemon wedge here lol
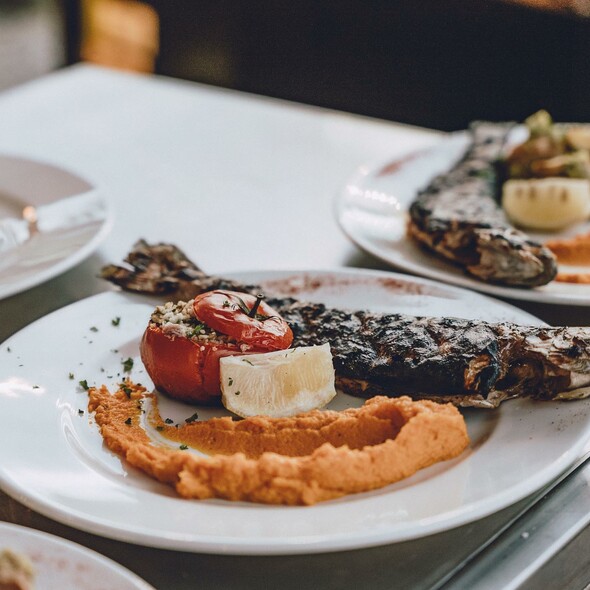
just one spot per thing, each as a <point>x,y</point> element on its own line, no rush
<point>548,203</point>
<point>278,384</point>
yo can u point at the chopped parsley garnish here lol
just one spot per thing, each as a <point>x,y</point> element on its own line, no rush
<point>169,421</point>
<point>247,361</point>
<point>183,447</point>
<point>128,421</point>
<point>197,329</point>
<point>237,392</point>
<point>192,418</point>
<point>71,375</point>
<point>230,381</point>
<point>486,174</point>
<point>80,412</point>
<point>159,428</point>
<point>128,365</point>
<point>35,387</point>
<point>84,384</point>
<point>8,349</point>
<point>93,329</point>
<point>127,391</point>
<point>116,321</point>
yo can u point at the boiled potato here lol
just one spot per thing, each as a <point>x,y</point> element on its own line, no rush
<point>548,203</point>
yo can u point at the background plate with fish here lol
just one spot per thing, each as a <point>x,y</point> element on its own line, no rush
<point>53,459</point>
<point>372,210</point>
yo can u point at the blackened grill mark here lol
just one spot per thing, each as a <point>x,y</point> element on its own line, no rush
<point>574,351</point>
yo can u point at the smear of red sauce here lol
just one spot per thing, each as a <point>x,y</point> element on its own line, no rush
<point>399,164</point>
<point>296,285</point>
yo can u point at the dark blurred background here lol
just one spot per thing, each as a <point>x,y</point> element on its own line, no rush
<point>432,63</point>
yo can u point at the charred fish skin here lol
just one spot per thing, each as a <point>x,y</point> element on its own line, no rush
<point>465,362</point>
<point>379,353</point>
<point>164,269</point>
<point>458,216</point>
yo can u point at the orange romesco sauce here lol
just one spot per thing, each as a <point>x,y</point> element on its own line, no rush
<point>582,278</point>
<point>304,459</point>
<point>574,251</point>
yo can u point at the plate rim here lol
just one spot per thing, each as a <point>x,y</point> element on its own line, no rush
<point>444,276</point>
<point>38,535</point>
<point>81,254</point>
<point>301,545</point>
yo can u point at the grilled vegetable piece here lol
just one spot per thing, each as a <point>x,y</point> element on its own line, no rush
<point>552,149</point>
<point>459,217</point>
<point>469,363</point>
<point>578,137</point>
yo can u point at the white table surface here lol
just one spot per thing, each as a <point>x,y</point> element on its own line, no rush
<point>239,182</point>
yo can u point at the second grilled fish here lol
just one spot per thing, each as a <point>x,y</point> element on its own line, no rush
<point>458,217</point>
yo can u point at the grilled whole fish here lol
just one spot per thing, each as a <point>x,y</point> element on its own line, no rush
<point>466,362</point>
<point>459,217</point>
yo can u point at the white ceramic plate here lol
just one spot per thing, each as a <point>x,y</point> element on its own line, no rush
<point>26,182</point>
<point>53,459</point>
<point>372,210</point>
<point>62,564</point>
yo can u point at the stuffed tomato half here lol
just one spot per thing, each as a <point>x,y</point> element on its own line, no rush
<point>184,341</point>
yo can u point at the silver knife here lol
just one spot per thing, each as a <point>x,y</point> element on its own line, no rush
<point>66,213</point>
